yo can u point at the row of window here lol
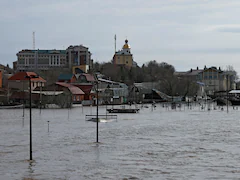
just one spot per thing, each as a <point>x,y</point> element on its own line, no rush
<point>39,67</point>
<point>207,77</point>
<point>35,84</point>
<point>200,77</point>
<point>125,57</point>
<point>40,56</point>
<point>40,61</point>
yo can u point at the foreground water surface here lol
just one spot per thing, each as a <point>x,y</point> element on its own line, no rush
<point>153,144</point>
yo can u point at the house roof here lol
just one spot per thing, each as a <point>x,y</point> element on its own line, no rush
<point>213,68</point>
<point>72,89</point>
<point>86,88</point>
<point>146,85</point>
<point>65,76</point>
<point>77,46</point>
<point>234,92</point>
<point>179,73</point>
<point>89,77</point>
<point>107,81</point>
<point>22,77</point>
<point>48,93</point>
<point>78,71</point>
<point>193,72</point>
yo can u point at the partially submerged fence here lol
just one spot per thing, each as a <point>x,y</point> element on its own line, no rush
<point>105,117</point>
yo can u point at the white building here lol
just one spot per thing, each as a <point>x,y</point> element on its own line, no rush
<point>72,57</point>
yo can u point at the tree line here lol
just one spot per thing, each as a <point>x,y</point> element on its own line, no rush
<point>162,74</point>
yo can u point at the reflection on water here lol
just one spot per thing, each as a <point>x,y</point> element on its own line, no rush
<point>153,144</point>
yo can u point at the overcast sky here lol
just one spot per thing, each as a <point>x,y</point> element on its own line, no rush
<point>183,33</point>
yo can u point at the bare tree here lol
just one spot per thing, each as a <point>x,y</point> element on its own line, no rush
<point>230,70</point>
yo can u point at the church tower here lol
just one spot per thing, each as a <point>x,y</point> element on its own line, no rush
<point>124,56</point>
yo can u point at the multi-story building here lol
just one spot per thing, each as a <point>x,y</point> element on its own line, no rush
<point>73,57</point>
<point>79,58</point>
<point>41,59</point>
<point>213,79</point>
<point>124,56</point>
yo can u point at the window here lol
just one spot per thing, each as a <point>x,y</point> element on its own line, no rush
<point>200,77</point>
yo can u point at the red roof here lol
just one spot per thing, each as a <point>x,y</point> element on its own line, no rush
<point>86,88</point>
<point>22,76</point>
<point>89,77</point>
<point>72,89</point>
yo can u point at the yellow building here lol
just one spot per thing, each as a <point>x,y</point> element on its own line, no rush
<point>124,56</point>
<point>80,69</point>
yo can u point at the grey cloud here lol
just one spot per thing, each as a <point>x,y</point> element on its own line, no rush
<point>215,50</point>
<point>226,28</point>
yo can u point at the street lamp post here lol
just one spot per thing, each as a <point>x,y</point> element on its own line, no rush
<point>97,113</point>
<point>23,96</point>
<point>30,110</point>
<point>30,116</point>
<point>227,94</point>
<point>40,102</point>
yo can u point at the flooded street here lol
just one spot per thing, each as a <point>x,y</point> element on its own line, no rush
<point>152,144</point>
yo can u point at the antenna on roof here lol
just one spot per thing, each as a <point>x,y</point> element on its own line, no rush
<point>33,40</point>
<point>115,39</point>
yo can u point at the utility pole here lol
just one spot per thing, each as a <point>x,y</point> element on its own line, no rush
<point>97,113</point>
<point>115,40</point>
<point>33,34</point>
<point>41,97</point>
<point>30,115</point>
<point>23,96</point>
<point>227,93</point>
<point>30,110</point>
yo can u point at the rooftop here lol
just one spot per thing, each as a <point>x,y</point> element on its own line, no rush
<point>39,51</point>
<point>21,76</point>
<point>73,89</point>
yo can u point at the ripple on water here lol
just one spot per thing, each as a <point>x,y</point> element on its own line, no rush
<point>158,144</point>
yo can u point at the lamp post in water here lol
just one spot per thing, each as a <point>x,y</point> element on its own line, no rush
<point>97,113</point>
<point>30,109</point>
<point>227,94</point>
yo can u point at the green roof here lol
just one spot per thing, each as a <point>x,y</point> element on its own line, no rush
<point>53,51</point>
<point>65,76</point>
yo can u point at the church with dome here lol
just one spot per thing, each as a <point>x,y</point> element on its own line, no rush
<point>124,56</point>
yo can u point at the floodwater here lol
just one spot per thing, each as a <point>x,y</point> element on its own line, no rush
<point>153,144</point>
